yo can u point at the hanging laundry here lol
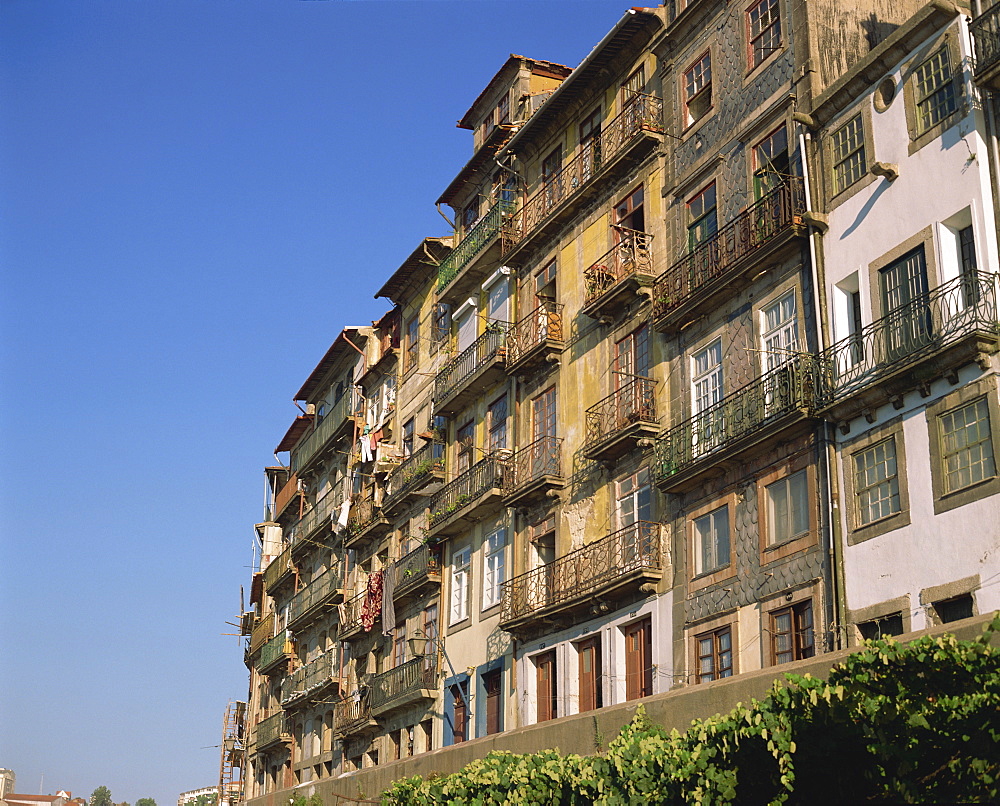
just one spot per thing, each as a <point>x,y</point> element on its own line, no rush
<point>345,511</point>
<point>366,449</point>
<point>388,608</point>
<point>373,601</point>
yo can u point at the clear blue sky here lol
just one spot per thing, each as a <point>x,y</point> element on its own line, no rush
<point>194,198</point>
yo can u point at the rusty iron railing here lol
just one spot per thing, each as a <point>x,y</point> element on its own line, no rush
<point>642,113</point>
<point>474,482</point>
<point>312,677</point>
<point>351,713</point>
<point>315,440</point>
<point>404,680</point>
<point>985,30</point>
<point>415,567</point>
<point>955,309</point>
<point>532,462</point>
<point>633,402</point>
<point>752,229</point>
<point>775,394</point>
<point>271,730</point>
<point>278,648</point>
<point>317,516</point>
<point>363,514</point>
<point>263,632</point>
<point>351,619</point>
<point>278,567</point>
<point>542,324</point>
<point>314,595</point>
<point>583,572</point>
<point>628,257</point>
<point>475,240</point>
<point>415,469</point>
<point>490,346</point>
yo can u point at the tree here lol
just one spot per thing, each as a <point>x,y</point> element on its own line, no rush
<point>145,802</point>
<point>101,797</point>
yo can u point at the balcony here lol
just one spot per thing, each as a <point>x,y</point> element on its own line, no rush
<point>771,403</point>
<point>626,139</point>
<point>337,423</point>
<point>287,495</point>
<point>606,571</point>
<point>985,30</point>
<point>350,622</point>
<point>271,732</point>
<point>365,521</point>
<point>451,280</point>
<point>534,472</point>
<point>405,685</point>
<point>275,652</point>
<point>417,571</point>
<point>619,276</point>
<point>353,715</point>
<point>477,367</point>
<point>306,682</point>
<point>536,339</point>
<point>279,570</point>
<point>315,519</point>
<point>309,603</point>
<point>932,336</point>
<point>263,632</point>
<point>717,265</point>
<point>617,423</point>
<point>421,473</point>
<point>469,498</point>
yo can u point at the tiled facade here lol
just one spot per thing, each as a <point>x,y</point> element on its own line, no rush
<point>672,403</point>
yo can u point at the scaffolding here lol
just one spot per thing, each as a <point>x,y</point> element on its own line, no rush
<point>232,754</point>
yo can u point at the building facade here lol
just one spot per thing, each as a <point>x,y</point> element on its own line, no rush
<point>702,383</point>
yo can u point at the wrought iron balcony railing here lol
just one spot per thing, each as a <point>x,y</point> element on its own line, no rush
<point>263,632</point>
<point>627,258</point>
<point>533,463</point>
<point>481,234</point>
<point>954,310</point>
<point>642,113</point>
<point>316,517</point>
<point>364,512</point>
<point>270,731</point>
<point>278,568</point>
<point>417,567</point>
<point>277,649</point>
<point>309,679</point>
<point>414,471</point>
<point>478,480</point>
<point>312,444</point>
<point>351,714</point>
<point>351,619</point>
<point>325,589</point>
<point>754,228</point>
<point>542,326</point>
<point>583,573</point>
<point>633,402</point>
<point>489,347</point>
<point>776,394</point>
<point>985,31</point>
<point>404,683</point>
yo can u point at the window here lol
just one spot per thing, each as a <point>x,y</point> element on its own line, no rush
<point>470,215</point>
<point>953,609</point>
<point>399,644</point>
<point>631,358</point>
<point>412,343</point>
<point>764,27</point>
<point>492,686</point>
<point>430,628</point>
<point>460,584</point>
<point>497,416</point>
<point>634,499</point>
<point>715,655</point>
<point>876,484</point>
<point>711,541</point>
<point>494,571</point>
<point>503,110</point>
<point>703,222</point>
<point>882,627</point>
<point>847,145</point>
<point>966,445</point>
<point>504,186</point>
<point>779,332</point>
<point>440,325</point>
<point>698,89</point>
<point>590,143</point>
<point>706,382</point>
<point>427,729</point>
<point>551,166</point>
<point>589,661</point>
<point>967,265</point>
<point>629,213</point>
<point>787,508</point>
<point>460,721</point>
<point>408,429</point>
<point>547,692</point>
<point>465,437</point>
<point>792,635</point>
<point>639,659</point>
<point>543,415</point>
<point>633,85</point>
<point>406,541</point>
<point>934,91</point>
<point>770,162</point>
<point>545,282</point>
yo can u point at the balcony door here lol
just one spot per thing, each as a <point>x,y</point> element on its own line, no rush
<point>631,366</point>
<point>634,512</point>
<point>547,691</point>
<point>903,287</point>
<point>543,554</point>
<point>498,300</point>
<point>639,659</point>
<point>706,391</point>
<point>543,425</point>
<point>465,323</point>
<point>589,658</point>
<point>551,166</point>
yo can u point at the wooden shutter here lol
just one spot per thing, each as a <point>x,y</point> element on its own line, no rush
<point>590,674</point>
<point>638,659</point>
<point>491,683</point>
<point>546,670</point>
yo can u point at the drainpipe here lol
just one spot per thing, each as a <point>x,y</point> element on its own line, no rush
<point>836,607</point>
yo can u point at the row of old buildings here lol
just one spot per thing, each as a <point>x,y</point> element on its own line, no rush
<point>704,381</point>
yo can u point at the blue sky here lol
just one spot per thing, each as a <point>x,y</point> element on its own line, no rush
<point>194,198</point>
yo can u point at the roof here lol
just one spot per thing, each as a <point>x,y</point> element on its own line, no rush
<point>341,346</point>
<point>13,798</point>
<point>581,79</point>
<point>537,66</point>
<point>294,433</point>
<point>420,261</point>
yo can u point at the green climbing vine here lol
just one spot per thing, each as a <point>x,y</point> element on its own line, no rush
<point>893,723</point>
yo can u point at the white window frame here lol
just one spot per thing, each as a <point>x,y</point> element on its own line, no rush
<point>494,567</point>
<point>461,566</point>
<point>706,377</point>
<point>791,513</point>
<point>711,519</point>
<point>779,331</point>
<point>640,485</point>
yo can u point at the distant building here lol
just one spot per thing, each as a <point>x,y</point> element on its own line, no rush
<point>190,797</point>
<point>7,781</point>
<point>14,799</point>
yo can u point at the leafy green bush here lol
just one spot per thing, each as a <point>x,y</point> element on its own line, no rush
<point>893,723</point>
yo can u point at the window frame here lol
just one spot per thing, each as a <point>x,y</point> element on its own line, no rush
<point>858,531</point>
<point>494,548</point>
<point>752,62</point>
<point>921,134</point>
<point>460,585</point>
<point>801,649</point>
<point>412,353</point>
<point>708,214</point>
<point>715,633</point>
<point>694,88</point>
